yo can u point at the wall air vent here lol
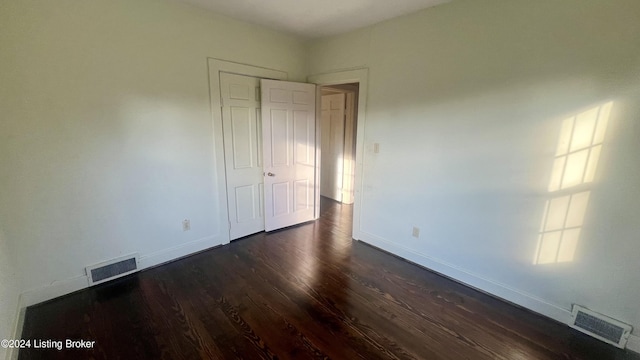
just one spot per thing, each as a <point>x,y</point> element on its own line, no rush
<point>112,269</point>
<point>600,327</point>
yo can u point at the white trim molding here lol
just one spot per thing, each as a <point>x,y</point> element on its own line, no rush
<point>70,285</point>
<point>67,286</point>
<point>492,287</point>
<point>174,253</point>
<point>634,343</point>
<point>56,289</point>
<point>18,324</point>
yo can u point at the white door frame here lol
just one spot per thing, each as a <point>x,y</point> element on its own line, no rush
<point>220,186</point>
<point>360,76</point>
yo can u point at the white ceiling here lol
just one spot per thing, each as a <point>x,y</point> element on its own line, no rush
<point>314,18</point>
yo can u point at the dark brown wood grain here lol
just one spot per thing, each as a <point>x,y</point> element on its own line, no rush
<point>307,292</point>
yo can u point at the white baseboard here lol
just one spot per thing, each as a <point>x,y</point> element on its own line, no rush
<point>634,343</point>
<point>60,288</point>
<point>54,290</point>
<point>503,291</point>
<point>67,286</point>
<point>18,323</point>
<point>166,255</point>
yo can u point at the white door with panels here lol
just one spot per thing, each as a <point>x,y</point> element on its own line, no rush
<point>242,128</point>
<point>276,150</point>
<point>289,148</point>
<point>332,125</point>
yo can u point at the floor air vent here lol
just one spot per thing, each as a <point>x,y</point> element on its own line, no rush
<point>112,269</point>
<point>599,326</point>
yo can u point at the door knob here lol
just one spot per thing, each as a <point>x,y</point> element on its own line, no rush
<point>271,174</point>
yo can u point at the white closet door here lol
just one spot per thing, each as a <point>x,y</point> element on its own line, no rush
<point>242,129</point>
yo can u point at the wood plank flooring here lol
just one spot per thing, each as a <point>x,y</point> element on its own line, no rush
<point>308,292</point>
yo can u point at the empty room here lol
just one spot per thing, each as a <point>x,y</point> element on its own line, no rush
<point>288,179</point>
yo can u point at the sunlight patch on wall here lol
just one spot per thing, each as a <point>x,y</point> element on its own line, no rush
<point>579,148</point>
<point>560,228</point>
<point>574,167</point>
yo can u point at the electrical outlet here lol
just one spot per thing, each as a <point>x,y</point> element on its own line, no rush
<point>186,225</point>
<point>376,148</point>
<point>416,232</point>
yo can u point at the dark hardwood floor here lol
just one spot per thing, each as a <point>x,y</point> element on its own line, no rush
<point>308,292</point>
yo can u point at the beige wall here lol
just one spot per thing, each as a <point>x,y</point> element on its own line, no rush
<point>467,101</point>
<point>106,136</point>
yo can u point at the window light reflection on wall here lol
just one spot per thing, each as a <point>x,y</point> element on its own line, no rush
<point>575,164</point>
<point>579,148</point>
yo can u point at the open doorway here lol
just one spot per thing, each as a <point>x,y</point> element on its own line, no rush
<point>358,76</point>
<point>338,127</point>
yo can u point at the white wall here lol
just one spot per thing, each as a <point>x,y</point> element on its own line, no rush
<point>467,101</point>
<point>106,136</point>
